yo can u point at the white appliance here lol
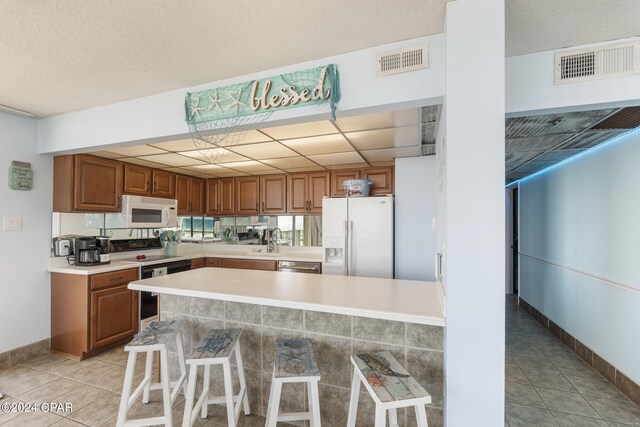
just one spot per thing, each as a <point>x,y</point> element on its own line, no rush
<point>138,212</point>
<point>357,236</point>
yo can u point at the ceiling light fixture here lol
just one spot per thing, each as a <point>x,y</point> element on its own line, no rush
<point>15,111</point>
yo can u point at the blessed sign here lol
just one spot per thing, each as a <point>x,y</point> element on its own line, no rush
<point>20,176</point>
<point>309,87</point>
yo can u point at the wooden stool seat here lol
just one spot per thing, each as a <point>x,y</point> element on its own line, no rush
<point>216,348</point>
<point>154,338</point>
<point>295,362</point>
<point>390,386</point>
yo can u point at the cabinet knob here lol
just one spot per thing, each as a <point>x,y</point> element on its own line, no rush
<point>263,207</point>
<point>257,207</point>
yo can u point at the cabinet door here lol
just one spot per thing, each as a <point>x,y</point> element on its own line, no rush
<point>114,315</point>
<point>197,196</point>
<point>227,194</point>
<point>164,184</point>
<point>273,194</point>
<point>214,262</point>
<point>338,177</point>
<point>318,189</point>
<point>298,193</point>
<point>247,195</point>
<point>212,197</point>
<point>249,264</point>
<point>197,263</point>
<point>382,180</point>
<point>97,184</point>
<point>183,185</point>
<point>137,179</point>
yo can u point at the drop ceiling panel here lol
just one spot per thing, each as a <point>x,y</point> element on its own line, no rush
<point>558,155</point>
<point>249,166</point>
<point>291,163</point>
<point>348,166</point>
<point>142,162</point>
<point>180,145</point>
<point>172,159</point>
<point>307,169</point>
<point>592,138</point>
<point>267,150</point>
<point>138,150</point>
<point>385,138</point>
<point>208,169</point>
<point>551,124</point>
<point>536,143</point>
<point>106,154</point>
<point>337,158</point>
<point>388,154</point>
<point>513,160</point>
<point>410,117</point>
<point>319,145</point>
<point>301,130</point>
<point>220,155</point>
<point>627,118</point>
<point>248,137</point>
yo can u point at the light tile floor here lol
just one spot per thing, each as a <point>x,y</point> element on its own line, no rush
<point>93,387</point>
<point>549,385</point>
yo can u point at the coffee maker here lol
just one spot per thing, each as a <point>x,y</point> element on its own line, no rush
<point>87,251</point>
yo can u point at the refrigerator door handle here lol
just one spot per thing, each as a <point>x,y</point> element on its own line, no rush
<point>346,248</point>
<point>349,247</point>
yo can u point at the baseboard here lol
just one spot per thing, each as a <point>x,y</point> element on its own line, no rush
<point>610,372</point>
<point>22,354</point>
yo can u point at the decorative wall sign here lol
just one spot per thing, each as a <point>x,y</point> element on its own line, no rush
<point>20,176</point>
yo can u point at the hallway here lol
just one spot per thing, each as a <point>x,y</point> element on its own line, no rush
<point>549,385</point>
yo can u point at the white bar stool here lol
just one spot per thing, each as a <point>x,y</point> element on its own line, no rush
<point>295,362</point>
<point>390,386</point>
<point>154,338</point>
<point>216,349</point>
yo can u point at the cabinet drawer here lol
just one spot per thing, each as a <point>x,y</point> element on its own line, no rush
<point>214,262</point>
<point>197,263</point>
<point>104,280</point>
<point>249,264</point>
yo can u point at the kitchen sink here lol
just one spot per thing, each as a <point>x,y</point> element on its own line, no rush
<point>264,254</point>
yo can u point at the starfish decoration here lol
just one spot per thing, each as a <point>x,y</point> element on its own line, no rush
<point>215,102</point>
<point>195,109</point>
<point>236,102</point>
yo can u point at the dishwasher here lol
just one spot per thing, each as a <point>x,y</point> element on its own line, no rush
<point>300,267</point>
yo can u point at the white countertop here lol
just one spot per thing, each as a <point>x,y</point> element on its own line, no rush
<point>400,300</point>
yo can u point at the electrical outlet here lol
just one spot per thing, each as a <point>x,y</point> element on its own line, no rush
<point>12,224</point>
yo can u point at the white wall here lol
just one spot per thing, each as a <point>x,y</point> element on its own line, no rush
<point>161,117</point>
<point>415,209</point>
<point>24,287</point>
<point>530,87</point>
<point>474,174</point>
<point>579,249</point>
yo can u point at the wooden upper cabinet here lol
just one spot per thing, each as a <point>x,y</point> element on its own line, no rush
<point>247,195</point>
<point>164,184</point>
<point>273,194</point>
<point>382,180</point>
<point>137,180</point>
<point>298,192</point>
<point>227,196</point>
<point>190,195</point>
<point>85,183</point>
<point>338,177</point>
<point>182,194</point>
<point>212,197</point>
<point>318,189</point>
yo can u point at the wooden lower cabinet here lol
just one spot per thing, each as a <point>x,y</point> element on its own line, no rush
<point>91,314</point>
<point>197,263</point>
<point>249,264</point>
<point>214,262</point>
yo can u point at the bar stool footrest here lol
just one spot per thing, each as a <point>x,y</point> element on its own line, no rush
<point>294,416</point>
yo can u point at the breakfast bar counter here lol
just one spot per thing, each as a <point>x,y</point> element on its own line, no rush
<point>340,315</point>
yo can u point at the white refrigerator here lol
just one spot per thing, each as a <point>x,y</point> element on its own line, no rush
<point>357,236</point>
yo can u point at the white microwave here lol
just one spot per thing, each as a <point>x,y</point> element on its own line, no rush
<point>149,212</point>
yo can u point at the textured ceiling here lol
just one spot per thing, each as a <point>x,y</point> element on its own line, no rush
<point>539,25</point>
<point>67,55</point>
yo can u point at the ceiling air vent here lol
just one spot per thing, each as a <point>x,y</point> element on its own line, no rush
<point>402,60</point>
<point>597,63</point>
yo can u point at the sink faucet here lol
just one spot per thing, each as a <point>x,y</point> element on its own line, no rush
<point>272,240</point>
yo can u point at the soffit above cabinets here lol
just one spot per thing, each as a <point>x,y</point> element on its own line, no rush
<point>359,141</point>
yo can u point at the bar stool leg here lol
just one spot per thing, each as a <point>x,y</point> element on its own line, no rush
<point>315,404</point>
<point>166,387</point>
<point>243,385</point>
<point>421,416</point>
<point>381,416</point>
<point>205,391</point>
<point>181,361</point>
<point>126,388</point>
<point>393,417</point>
<point>147,374</point>
<point>228,391</point>
<point>274,403</point>
<point>353,403</point>
<point>187,419</point>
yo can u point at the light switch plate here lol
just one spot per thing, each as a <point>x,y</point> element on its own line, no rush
<point>12,224</point>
